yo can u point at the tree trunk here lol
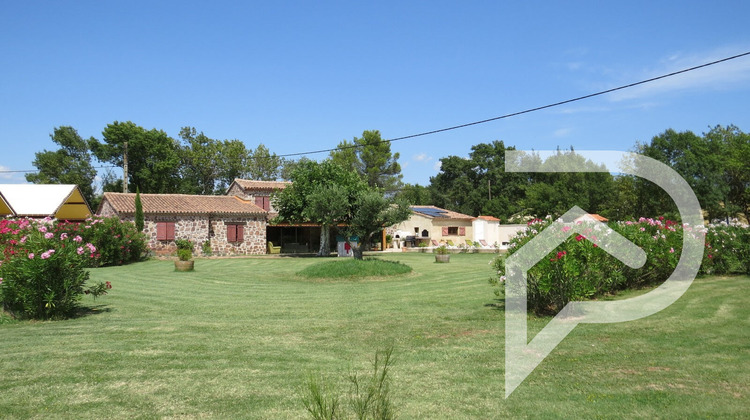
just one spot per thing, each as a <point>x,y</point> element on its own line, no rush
<point>325,239</point>
<point>357,251</point>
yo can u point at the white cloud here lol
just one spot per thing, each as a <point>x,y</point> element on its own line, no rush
<point>422,157</point>
<point>437,166</point>
<point>563,132</point>
<point>719,76</point>
<point>5,176</point>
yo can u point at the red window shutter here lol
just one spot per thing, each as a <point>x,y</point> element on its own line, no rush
<point>240,233</point>
<point>231,233</point>
<point>170,231</point>
<point>161,231</point>
<point>267,203</point>
<point>462,231</point>
<point>259,201</point>
<point>445,230</point>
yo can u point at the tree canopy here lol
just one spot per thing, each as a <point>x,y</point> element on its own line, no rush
<point>322,193</point>
<point>332,195</point>
<point>153,157</point>
<point>70,164</point>
<point>371,158</point>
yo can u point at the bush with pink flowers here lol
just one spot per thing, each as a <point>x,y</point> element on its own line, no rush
<point>117,242</point>
<point>578,270</point>
<point>43,273</point>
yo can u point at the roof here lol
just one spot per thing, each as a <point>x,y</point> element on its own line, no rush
<point>249,184</point>
<point>594,216</point>
<point>489,218</point>
<point>433,212</point>
<point>61,201</point>
<point>5,208</point>
<point>180,204</point>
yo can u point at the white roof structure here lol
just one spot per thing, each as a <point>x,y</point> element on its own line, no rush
<point>62,201</point>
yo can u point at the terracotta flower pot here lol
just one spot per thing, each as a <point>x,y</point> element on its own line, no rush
<point>184,265</point>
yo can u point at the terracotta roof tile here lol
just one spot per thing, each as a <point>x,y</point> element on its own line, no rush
<point>489,218</point>
<point>249,184</point>
<point>182,204</point>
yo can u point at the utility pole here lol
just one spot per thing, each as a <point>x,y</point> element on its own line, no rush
<point>125,169</point>
<point>489,190</point>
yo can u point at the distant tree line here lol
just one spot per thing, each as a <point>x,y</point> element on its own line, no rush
<point>192,164</point>
<point>716,164</point>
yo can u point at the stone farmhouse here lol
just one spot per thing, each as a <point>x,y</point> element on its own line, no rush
<point>238,223</point>
<point>232,226</point>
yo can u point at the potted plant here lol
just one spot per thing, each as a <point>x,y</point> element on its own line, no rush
<point>184,255</point>
<point>442,255</point>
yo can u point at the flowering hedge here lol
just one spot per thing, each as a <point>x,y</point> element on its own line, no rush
<point>117,242</point>
<point>43,268</point>
<point>578,270</point>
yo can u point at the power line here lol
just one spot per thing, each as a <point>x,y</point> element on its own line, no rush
<point>539,108</point>
<point>37,170</point>
<point>513,114</point>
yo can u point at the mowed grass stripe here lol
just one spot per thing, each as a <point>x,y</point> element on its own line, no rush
<point>237,339</point>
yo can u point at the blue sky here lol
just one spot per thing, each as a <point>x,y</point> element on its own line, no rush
<point>300,76</point>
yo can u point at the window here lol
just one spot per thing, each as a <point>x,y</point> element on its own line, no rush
<point>165,231</point>
<point>263,202</point>
<point>235,233</point>
<point>416,230</point>
<point>454,231</point>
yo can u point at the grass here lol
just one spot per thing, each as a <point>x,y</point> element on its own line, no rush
<point>239,338</point>
<point>350,268</point>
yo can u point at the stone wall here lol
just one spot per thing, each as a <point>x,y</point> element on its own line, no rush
<point>249,195</point>
<point>106,210</point>
<point>192,227</point>
<point>199,228</point>
<point>254,242</point>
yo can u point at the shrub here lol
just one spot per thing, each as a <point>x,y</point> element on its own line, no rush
<point>184,244</point>
<point>43,273</point>
<point>184,254</point>
<point>369,396</point>
<point>118,242</point>
<point>206,248</point>
<point>441,250</point>
<point>578,270</point>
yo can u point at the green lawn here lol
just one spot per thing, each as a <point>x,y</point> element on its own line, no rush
<point>237,338</point>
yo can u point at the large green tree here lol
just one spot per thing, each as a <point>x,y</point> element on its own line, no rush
<point>479,185</point>
<point>699,160</point>
<point>371,212</point>
<point>70,164</point>
<point>415,194</point>
<point>733,147</point>
<point>263,165</point>
<point>371,157</point>
<point>554,193</point>
<point>200,164</point>
<point>321,193</point>
<point>153,157</point>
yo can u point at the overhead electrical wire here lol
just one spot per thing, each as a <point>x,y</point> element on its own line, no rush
<point>526,111</point>
<point>487,120</point>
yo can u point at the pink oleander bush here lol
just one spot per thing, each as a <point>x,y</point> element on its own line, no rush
<point>578,270</point>
<point>43,268</point>
<point>117,242</point>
